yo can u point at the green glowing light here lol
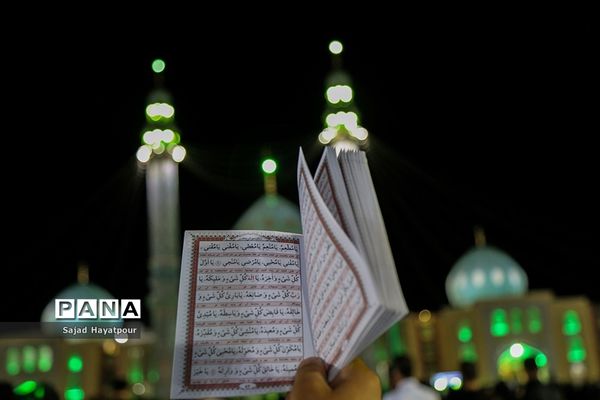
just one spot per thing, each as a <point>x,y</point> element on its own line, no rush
<point>336,47</point>
<point>25,388</point>
<point>541,360</point>
<point>29,359</point>
<point>381,353</point>
<point>468,352</point>
<point>510,361</point>
<point>498,325</point>
<point>45,358</point>
<point>455,383</point>
<point>75,363</point>
<point>464,333</point>
<point>12,361</point>
<point>396,343</point>
<point>534,320</point>
<point>39,392</point>
<point>74,393</point>
<point>571,323</point>
<point>516,323</point>
<point>136,374</point>
<point>576,351</point>
<point>158,66</point>
<point>269,166</point>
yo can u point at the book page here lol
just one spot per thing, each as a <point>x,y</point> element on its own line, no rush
<point>240,314</point>
<point>331,186</point>
<point>342,301</point>
<point>378,252</point>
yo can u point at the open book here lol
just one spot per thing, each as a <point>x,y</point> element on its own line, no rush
<point>253,304</point>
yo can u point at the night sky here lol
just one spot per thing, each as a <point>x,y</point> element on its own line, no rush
<point>485,123</point>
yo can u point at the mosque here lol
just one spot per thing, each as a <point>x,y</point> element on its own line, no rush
<point>492,320</point>
<point>495,322</point>
<point>116,368</point>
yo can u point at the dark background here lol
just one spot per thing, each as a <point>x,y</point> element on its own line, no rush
<point>486,121</point>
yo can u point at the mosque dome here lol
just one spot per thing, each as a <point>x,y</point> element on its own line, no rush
<point>484,272</point>
<point>271,212</point>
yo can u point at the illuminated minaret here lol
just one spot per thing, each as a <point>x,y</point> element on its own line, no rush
<point>160,154</point>
<point>341,119</point>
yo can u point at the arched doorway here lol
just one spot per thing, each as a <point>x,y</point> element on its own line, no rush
<point>510,362</point>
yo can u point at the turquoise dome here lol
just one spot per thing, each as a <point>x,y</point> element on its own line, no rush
<point>484,272</point>
<point>272,213</point>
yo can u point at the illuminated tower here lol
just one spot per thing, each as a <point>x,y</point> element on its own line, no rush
<point>341,118</point>
<point>160,154</point>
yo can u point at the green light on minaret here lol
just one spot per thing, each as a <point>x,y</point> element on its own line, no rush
<point>269,166</point>
<point>336,47</point>
<point>158,66</point>
<point>342,128</point>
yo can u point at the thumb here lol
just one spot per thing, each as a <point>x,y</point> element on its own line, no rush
<point>310,381</point>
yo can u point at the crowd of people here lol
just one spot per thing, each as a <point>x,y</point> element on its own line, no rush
<point>404,386</point>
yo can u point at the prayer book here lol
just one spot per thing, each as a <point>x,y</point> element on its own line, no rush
<point>253,304</point>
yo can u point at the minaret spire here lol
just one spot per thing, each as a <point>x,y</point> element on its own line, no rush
<point>479,234</point>
<point>161,136</point>
<point>341,119</point>
<point>269,167</point>
<point>160,155</point>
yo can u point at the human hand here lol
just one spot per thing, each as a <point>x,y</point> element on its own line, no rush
<point>355,382</point>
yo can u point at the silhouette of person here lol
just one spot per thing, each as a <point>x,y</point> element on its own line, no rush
<point>405,386</point>
<point>502,391</point>
<point>470,388</point>
<point>535,389</point>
